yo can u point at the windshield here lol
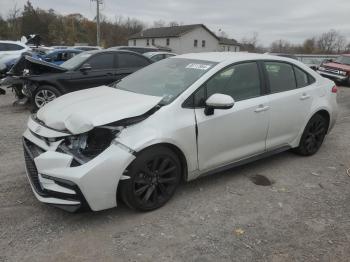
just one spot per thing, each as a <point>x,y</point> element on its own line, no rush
<point>343,60</point>
<point>167,78</point>
<point>76,60</point>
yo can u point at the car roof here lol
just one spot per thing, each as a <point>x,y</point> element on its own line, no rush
<point>219,57</point>
<point>13,42</point>
<point>111,51</point>
<point>66,50</point>
<point>158,53</point>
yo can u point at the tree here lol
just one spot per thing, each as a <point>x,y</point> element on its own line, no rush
<point>309,46</point>
<point>159,23</point>
<point>281,46</point>
<point>331,42</point>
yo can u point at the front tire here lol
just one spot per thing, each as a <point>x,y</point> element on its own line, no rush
<point>313,136</point>
<point>154,177</point>
<point>43,95</point>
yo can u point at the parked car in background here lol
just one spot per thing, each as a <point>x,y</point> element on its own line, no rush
<point>87,47</point>
<point>175,120</point>
<point>44,82</point>
<point>12,48</point>
<point>59,56</point>
<point>9,51</point>
<point>337,69</point>
<point>157,56</point>
<point>137,49</point>
<point>312,62</point>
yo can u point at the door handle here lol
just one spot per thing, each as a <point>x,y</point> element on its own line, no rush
<point>108,74</point>
<point>304,96</point>
<point>261,108</point>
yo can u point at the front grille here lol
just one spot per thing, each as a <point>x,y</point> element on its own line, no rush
<point>30,152</point>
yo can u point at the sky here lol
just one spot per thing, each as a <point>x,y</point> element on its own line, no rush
<point>292,20</point>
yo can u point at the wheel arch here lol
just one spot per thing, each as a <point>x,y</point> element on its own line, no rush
<point>324,113</point>
<point>50,83</point>
<point>177,151</point>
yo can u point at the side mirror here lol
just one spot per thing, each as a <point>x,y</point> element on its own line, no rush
<point>85,67</point>
<point>218,101</point>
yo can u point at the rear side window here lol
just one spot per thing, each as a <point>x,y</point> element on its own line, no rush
<point>281,76</point>
<point>101,61</point>
<point>13,47</point>
<point>301,77</point>
<point>131,61</point>
<point>240,81</point>
<point>10,47</point>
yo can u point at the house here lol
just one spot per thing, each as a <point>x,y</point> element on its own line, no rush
<point>184,39</point>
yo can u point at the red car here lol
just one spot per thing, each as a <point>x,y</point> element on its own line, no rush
<point>337,70</point>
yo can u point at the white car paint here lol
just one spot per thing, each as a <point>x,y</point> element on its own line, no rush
<point>7,55</point>
<point>249,128</point>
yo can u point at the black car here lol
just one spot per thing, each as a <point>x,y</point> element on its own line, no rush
<point>43,82</point>
<point>137,49</point>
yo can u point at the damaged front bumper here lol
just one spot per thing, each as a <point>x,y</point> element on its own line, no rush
<point>57,180</point>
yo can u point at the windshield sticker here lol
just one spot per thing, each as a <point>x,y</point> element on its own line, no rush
<point>198,66</point>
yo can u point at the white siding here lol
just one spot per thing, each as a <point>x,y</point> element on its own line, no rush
<point>185,43</point>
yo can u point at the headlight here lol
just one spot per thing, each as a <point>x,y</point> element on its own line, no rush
<point>343,73</point>
<point>321,68</point>
<point>89,145</point>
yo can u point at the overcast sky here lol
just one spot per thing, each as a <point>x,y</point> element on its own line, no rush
<point>293,20</point>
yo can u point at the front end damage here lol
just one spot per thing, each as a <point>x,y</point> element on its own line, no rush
<point>75,171</point>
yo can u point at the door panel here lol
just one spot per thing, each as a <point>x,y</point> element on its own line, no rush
<point>102,72</point>
<point>289,105</point>
<point>232,134</point>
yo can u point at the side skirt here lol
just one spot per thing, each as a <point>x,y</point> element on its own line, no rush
<point>245,161</point>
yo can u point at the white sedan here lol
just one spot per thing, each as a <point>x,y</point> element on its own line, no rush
<point>175,120</point>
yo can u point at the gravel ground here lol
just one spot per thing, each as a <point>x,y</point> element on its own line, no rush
<point>303,216</point>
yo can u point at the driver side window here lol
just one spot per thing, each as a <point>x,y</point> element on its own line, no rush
<point>240,81</point>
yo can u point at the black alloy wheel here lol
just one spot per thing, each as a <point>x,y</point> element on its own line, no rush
<point>154,176</point>
<point>313,136</point>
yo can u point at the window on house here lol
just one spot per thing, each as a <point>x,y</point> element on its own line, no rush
<point>152,41</point>
<point>147,41</point>
<point>195,43</point>
<point>203,43</point>
<point>167,41</point>
<point>134,42</point>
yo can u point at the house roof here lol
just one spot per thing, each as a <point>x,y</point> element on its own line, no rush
<point>227,41</point>
<point>170,31</point>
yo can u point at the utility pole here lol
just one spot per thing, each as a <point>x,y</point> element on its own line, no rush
<point>98,3</point>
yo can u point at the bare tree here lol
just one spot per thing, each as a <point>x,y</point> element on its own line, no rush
<point>251,44</point>
<point>12,19</point>
<point>173,23</point>
<point>281,46</point>
<point>331,41</point>
<point>309,46</point>
<point>159,23</point>
<point>222,33</point>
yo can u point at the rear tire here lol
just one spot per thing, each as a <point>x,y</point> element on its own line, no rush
<point>154,177</point>
<point>313,136</point>
<point>43,95</point>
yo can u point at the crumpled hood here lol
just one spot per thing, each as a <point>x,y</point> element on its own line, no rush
<point>81,111</point>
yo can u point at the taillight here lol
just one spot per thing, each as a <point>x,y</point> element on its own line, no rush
<point>334,89</point>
